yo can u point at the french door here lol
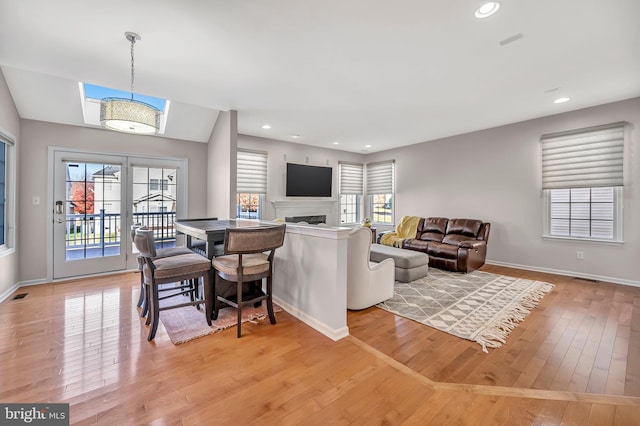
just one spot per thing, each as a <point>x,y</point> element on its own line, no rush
<point>89,208</point>
<point>96,198</point>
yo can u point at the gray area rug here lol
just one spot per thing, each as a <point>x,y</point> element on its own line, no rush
<point>478,306</point>
<point>188,323</point>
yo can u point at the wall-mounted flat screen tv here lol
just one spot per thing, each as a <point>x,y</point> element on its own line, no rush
<point>308,181</point>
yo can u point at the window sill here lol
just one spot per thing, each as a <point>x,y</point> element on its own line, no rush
<point>6,251</point>
<point>584,240</point>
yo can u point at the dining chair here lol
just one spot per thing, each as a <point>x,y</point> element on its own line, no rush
<point>172,269</point>
<point>162,252</point>
<point>248,258</point>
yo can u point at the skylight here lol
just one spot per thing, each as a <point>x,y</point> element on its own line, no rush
<point>98,92</point>
<point>91,95</point>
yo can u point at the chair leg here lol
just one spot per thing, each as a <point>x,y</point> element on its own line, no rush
<point>209,295</point>
<point>216,302</point>
<point>141,297</point>
<point>239,302</point>
<point>272,316</point>
<point>147,304</point>
<point>194,286</point>
<point>144,308</point>
<point>154,313</point>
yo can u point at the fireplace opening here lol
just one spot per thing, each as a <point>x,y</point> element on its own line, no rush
<point>311,219</point>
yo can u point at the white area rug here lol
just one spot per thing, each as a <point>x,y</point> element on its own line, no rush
<point>477,306</point>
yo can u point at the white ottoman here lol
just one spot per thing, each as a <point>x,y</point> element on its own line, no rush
<point>410,264</point>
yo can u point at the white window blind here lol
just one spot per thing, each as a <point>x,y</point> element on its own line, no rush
<point>584,158</point>
<point>252,172</point>
<point>380,178</point>
<point>351,178</point>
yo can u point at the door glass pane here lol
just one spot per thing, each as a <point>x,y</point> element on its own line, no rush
<point>154,202</point>
<point>92,208</point>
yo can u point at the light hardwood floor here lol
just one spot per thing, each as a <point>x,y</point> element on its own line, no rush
<point>574,360</point>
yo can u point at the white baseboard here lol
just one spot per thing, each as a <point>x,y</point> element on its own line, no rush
<point>39,281</point>
<point>16,286</point>
<point>332,333</point>
<point>631,283</point>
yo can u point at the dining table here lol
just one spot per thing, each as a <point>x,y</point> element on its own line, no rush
<point>207,235</point>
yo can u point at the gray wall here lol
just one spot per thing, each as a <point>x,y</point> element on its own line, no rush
<point>495,175</point>
<point>9,125</point>
<point>492,174</point>
<point>280,153</point>
<point>37,136</point>
<point>221,157</point>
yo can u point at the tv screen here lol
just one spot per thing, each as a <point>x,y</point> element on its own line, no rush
<point>308,181</point>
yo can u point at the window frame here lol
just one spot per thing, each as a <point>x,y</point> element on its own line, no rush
<point>9,203</point>
<point>259,205</point>
<point>376,185</point>
<point>584,159</point>
<point>618,220</point>
<point>254,164</point>
<point>391,207</point>
<point>350,202</point>
<point>351,188</point>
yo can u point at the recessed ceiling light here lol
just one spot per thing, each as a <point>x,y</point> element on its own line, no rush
<point>295,136</point>
<point>266,126</point>
<point>561,100</point>
<point>487,9</point>
<point>336,143</point>
<point>367,146</point>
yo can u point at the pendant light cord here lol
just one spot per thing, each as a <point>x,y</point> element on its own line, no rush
<point>133,41</point>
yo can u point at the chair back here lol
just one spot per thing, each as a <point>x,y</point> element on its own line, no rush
<point>253,240</point>
<point>145,242</point>
<point>367,283</point>
<point>359,249</point>
<point>133,230</point>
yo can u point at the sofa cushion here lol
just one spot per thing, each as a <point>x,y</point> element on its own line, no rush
<point>435,224</point>
<point>431,236</point>
<point>447,251</point>
<point>468,227</point>
<point>455,239</point>
<point>432,228</point>
<point>415,244</point>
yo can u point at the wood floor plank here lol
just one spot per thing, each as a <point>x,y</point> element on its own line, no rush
<point>576,414</point>
<point>627,416</point>
<point>83,342</point>
<point>601,414</point>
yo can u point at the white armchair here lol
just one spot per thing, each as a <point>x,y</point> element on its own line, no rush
<point>368,283</point>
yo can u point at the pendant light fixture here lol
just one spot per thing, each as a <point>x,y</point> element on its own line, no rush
<point>129,115</point>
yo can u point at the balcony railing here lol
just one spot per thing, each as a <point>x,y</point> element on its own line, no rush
<point>104,229</point>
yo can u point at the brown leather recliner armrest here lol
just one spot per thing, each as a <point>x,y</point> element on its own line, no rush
<point>472,244</point>
<point>471,255</point>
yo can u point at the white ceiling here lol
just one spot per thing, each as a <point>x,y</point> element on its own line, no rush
<point>358,72</point>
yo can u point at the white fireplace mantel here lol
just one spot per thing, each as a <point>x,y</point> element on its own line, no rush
<point>284,208</point>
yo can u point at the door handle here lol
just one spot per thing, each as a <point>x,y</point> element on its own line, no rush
<point>59,221</point>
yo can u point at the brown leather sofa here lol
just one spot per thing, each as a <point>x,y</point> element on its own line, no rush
<point>458,245</point>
